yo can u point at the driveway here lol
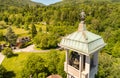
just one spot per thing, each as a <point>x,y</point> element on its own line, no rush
<point>1,58</point>
<point>29,49</point>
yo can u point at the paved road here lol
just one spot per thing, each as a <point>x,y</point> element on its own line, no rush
<point>29,49</point>
<point>1,58</point>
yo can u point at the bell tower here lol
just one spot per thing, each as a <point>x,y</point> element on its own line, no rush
<point>82,48</point>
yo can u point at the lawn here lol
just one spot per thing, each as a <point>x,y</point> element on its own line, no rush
<point>18,31</point>
<point>16,63</point>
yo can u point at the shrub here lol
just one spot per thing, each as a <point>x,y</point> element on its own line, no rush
<point>2,71</point>
<point>34,66</point>
<point>7,51</point>
<point>46,40</point>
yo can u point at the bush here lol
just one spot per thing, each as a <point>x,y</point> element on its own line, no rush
<point>34,67</point>
<point>26,44</point>
<point>8,52</point>
<point>2,71</point>
<point>1,36</point>
<point>46,40</point>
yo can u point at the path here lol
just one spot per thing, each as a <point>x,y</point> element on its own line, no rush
<point>29,49</point>
<point>1,58</point>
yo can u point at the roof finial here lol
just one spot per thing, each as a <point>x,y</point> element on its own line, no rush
<point>82,15</point>
<point>82,26</point>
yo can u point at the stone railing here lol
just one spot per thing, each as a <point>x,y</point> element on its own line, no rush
<point>71,70</point>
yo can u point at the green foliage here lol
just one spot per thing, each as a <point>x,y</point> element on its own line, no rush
<point>60,66</point>
<point>40,29</point>
<point>41,40</point>
<point>33,31</point>
<point>7,51</point>
<point>34,67</point>
<point>18,3</point>
<point>115,69</point>
<point>105,64</point>
<point>24,45</point>
<point>108,66</point>
<point>53,61</point>
<point>102,17</point>
<point>11,36</point>
<point>2,24</point>
<point>42,75</point>
<point>1,36</point>
<point>26,27</point>
<point>46,40</point>
<point>116,50</point>
<point>2,71</point>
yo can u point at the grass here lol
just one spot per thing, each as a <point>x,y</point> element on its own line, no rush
<point>16,63</point>
<point>17,31</point>
<point>2,42</point>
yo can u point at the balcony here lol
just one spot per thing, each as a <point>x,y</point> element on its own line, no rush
<point>71,70</point>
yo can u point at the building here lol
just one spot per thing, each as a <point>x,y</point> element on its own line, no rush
<point>21,41</point>
<point>82,49</point>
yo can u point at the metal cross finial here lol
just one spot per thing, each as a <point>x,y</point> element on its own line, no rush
<point>82,15</point>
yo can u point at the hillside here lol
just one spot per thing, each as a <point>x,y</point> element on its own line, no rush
<point>18,3</point>
<point>50,23</point>
<point>77,2</point>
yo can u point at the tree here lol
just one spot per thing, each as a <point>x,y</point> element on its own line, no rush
<point>1,36</point>
<point>114,73</point>
<point>47,29</point>
<point>116,50</point>
<point>33,30</point>
<point>105,64</point>
<point>40,29</point>
<point>46,40</point>
<point>53,61</point>
<point>35,67</point>
<point>11,36</point>
<point>2,71</point>
<point>26,27</point>
<point>7,51</point>
<point>41,41</point>
<point>60,66</point>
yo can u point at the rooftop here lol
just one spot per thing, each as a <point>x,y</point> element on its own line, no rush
<point>82,41</point>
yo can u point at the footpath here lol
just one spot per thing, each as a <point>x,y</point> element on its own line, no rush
<point>1,58</point>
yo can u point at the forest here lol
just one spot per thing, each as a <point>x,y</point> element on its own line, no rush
<point>46,25</point>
